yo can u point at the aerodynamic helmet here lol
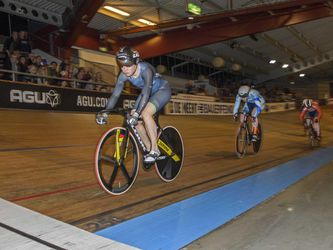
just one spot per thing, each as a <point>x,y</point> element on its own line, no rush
<point>127,56</point>
<point>243,91</point>
<point>307,103</point>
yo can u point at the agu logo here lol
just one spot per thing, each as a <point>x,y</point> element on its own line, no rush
<point>51,98</point>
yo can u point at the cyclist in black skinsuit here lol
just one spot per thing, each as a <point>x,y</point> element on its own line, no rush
<point>155,93</point>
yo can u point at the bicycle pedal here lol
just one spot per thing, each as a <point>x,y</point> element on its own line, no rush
<point>161,157</point>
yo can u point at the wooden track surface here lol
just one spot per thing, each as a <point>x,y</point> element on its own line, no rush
<point>47,162</point>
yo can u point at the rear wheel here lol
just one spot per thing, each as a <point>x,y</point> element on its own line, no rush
<point>170,162</point>
<point>313,139</point>
<point>116,161</point>
<point>257,144</point>
<point>242,141</point>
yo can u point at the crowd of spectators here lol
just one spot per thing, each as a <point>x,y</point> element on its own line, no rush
<point>35,69</point>
<point>229,91</point>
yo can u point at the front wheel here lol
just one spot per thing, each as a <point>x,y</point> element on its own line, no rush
<point>170,162</point>
<point>242,140</point>
<point>116,161</point>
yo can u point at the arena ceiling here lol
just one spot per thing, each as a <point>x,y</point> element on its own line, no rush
<point>246,34</point>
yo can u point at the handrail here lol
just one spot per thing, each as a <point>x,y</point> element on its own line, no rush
<point>75,81</point>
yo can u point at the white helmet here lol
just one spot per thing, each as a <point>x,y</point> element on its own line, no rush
<point>243,91</point>
<point>307,103</point>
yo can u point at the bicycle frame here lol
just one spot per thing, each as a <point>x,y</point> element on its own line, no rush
<point>132,129</point>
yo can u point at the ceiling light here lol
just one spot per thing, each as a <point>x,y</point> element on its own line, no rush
<point>285,65</point>
<point>118,11</point>
<point>301,75</point>
<point>141,20</point>
<point>272,61</point>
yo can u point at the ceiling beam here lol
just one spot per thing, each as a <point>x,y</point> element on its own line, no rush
<point>287,6</point>
<point>280,46</point>
<point>209,33</point>
<point>300,36</point>
<point>80,20</point>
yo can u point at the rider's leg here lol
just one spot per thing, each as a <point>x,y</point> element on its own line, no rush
<point>254,114</point>
<point>255,121</point>
<point>316,126</point>
<point>155,103</point>
<point>307,121</point>
<point>150,125</point>
<point>143,134</point>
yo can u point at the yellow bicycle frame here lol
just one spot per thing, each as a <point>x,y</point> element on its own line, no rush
<point>119,140</point>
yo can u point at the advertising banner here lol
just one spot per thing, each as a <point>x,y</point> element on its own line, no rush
<point>191,107</point>
<point>40,97</point>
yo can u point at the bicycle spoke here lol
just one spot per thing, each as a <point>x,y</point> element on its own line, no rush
<point>125,172</point>
<point>108,159</point>
<point>113,176</point>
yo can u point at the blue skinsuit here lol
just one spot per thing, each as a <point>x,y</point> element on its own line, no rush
<point>254,100</point>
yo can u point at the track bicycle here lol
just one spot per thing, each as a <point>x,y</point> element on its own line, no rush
<point>244,137</point>
<point>117,155</point>
<point>312,134</point>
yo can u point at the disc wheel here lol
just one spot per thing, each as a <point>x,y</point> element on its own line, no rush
<point>170,162</point>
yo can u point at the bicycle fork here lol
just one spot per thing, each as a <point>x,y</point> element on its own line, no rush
<point>119,141</point>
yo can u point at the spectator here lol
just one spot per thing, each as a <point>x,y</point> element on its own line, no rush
<point>64,64</point>
<point>32,59</point>
<point>88,74</point>
<point>189,87</point>
<point>67,73</point>
<point>11,43</point>
<point>81,76</point>
<point>99,78</point>
<point>53,72</point>
<point>32,78</point>
<point>43,71</point>
<point>24,43</point>
<point>38,61</point>
<point>22,66</point>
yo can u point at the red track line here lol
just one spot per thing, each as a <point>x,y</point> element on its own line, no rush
<point>53,192</point>
<point>85,186</point>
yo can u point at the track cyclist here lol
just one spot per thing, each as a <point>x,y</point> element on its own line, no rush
<point>254,103</point>
<point>155,93</point>
<point>313,111</point>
